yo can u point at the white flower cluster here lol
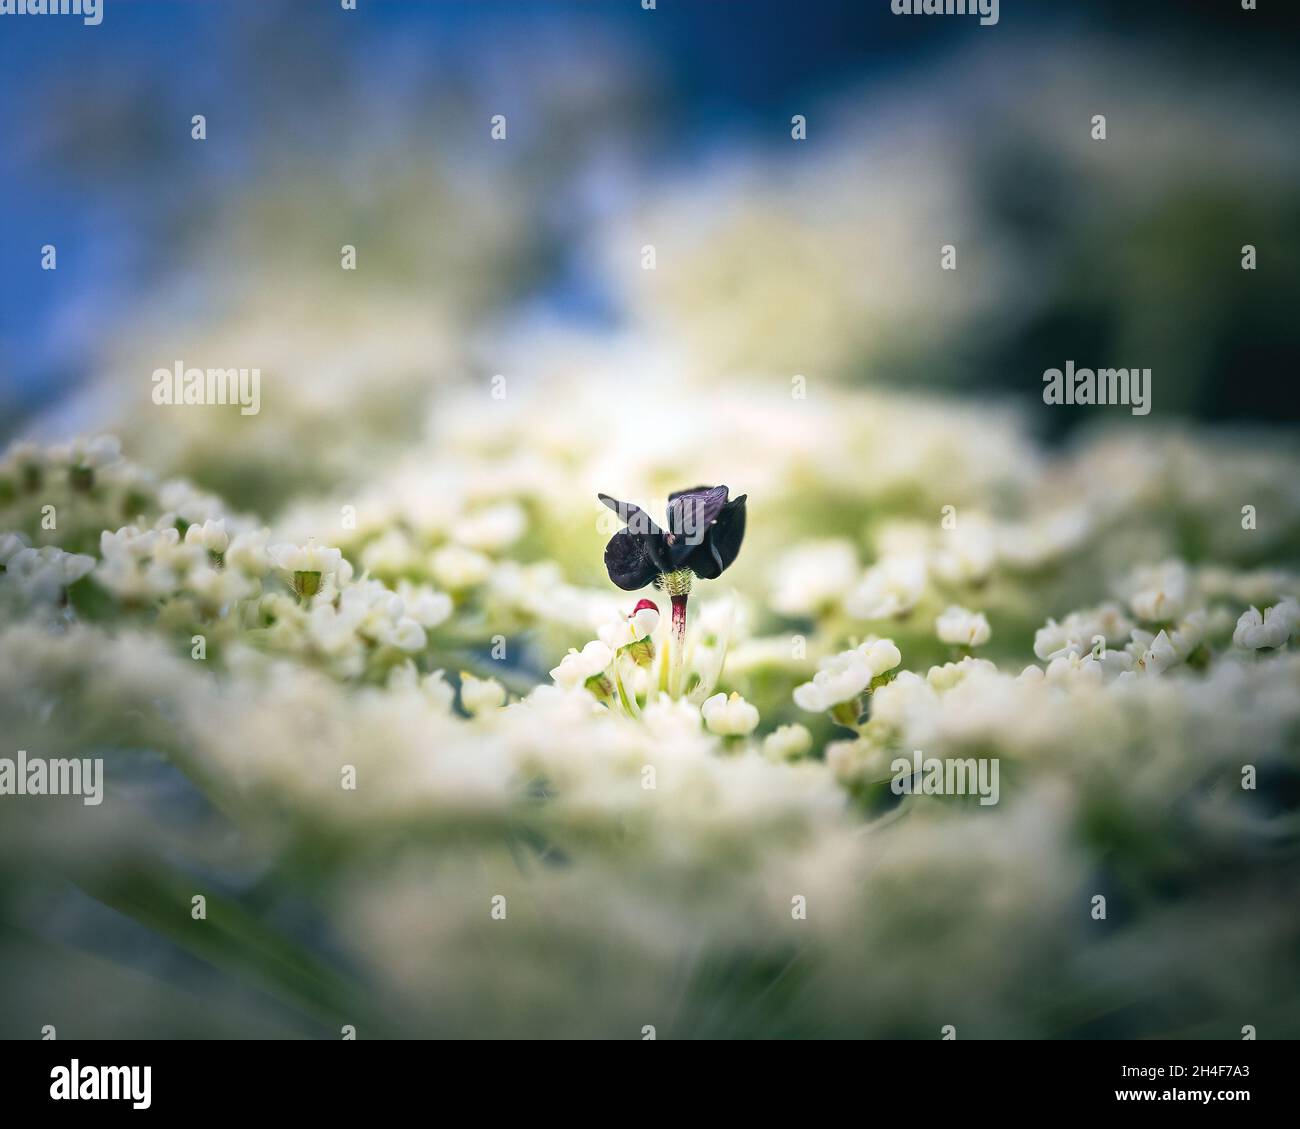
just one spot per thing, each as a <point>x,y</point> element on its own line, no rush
<point>845,676</point>
<point>371,738</point>
<point>146,566</point>
<point>38,576</point>
<point>667,817</point>
<point>963,628</point>
<point>221,577</point>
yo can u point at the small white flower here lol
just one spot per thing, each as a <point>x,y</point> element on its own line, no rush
<point>729,716</point>
<point>479,695</point>
<point>1073,667</point>
<point>644,621</point>
<point>578,666</point>
<point>787,743</point>
<point>844,676</point>
<point>438,690</point>
<point>1154,654</point>
<point>1157,653</point>
<point>137,564</point>
<point>308,566</point>
<point>306,558</point>
<point>1079,630</point>
<point>880,655</point>
<point>627,630</point>
<point>1160,592</point>
<point>1271,629</point>
<point>948,675</point>
<point>963,628</point>
<point>47,570</point>
<point>210,536</point>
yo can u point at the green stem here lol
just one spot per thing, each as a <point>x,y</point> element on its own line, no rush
<point>626,698</point>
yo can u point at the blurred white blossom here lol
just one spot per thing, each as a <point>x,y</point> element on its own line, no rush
<point>1271,629</point>
<point>963,628</point>
<point>729,715</point>
<point>844,676</point>
<point>480,695</point>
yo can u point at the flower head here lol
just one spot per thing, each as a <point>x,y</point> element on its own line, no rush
<point>1159,593</point>
<point>308,563</point>
<point>729,716</point>
<point>211,535</point>
<point>1256,631</point>
<point>962,628</point>
<point>585,668</point>
<point>632,633</point>
<point>703,535</point>
<point>787,743</point>
<point>480,695</point>
<point>842,677</point>
<point>306,558</point>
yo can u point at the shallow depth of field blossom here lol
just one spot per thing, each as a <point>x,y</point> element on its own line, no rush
<point>451,742</point>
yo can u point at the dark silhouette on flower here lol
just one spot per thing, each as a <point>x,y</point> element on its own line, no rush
<point>702,538</point>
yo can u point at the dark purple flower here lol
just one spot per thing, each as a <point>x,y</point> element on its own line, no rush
<point>702,536</point>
